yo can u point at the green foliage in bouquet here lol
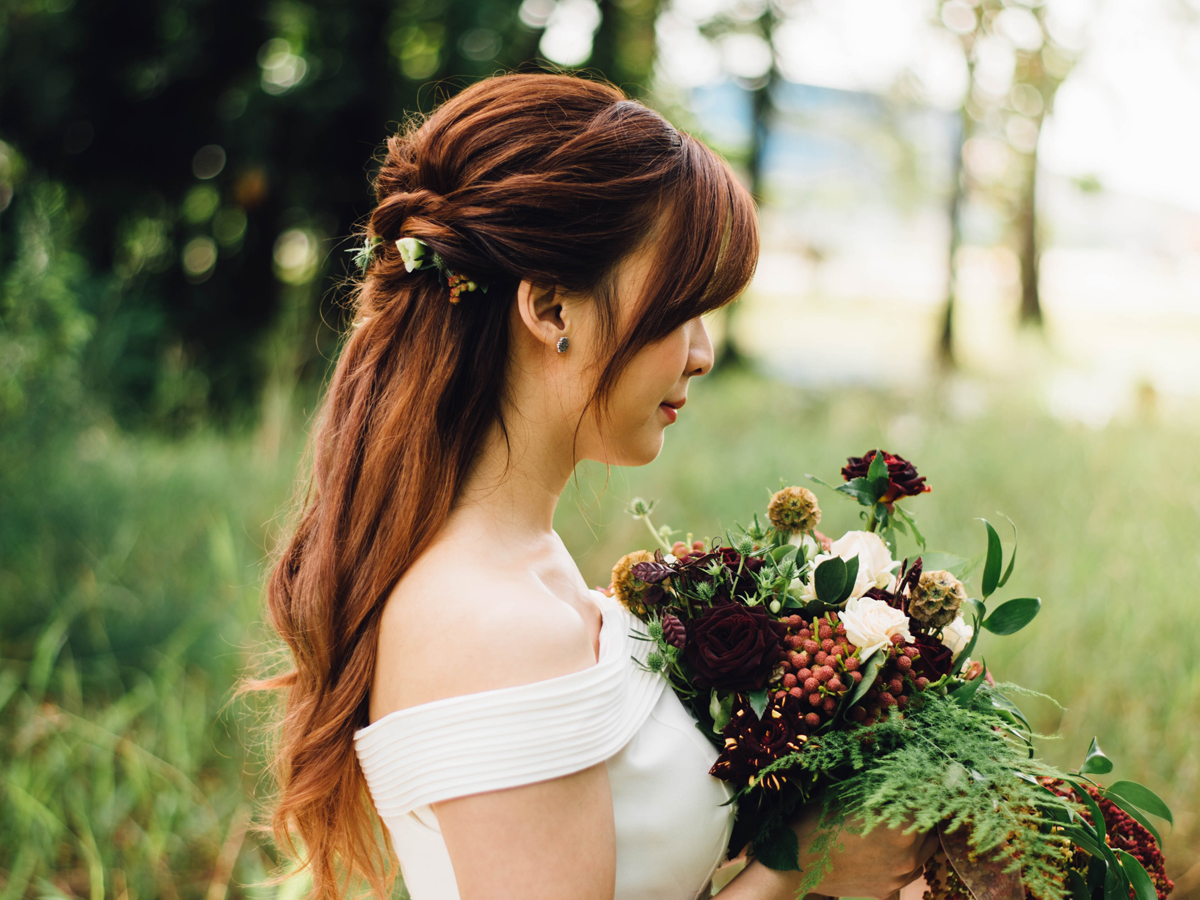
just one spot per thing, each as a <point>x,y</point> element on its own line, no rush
<point>824,675</point>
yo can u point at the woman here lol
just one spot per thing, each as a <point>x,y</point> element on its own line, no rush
<point>452,668</point>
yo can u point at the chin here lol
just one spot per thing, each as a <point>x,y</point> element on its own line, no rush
<point>637,452</point>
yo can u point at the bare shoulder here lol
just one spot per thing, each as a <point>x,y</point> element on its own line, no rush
<point>443,634</point>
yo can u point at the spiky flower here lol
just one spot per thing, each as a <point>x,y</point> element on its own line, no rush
<point>794,509</point>
<point>936,598</point>
<point>628,588</point>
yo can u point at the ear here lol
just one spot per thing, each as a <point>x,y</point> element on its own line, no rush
<point>545,311</point>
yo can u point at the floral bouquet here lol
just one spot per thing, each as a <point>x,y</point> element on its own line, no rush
<point>828,670</point>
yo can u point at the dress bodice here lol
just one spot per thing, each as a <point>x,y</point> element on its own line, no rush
<point>671,828</point>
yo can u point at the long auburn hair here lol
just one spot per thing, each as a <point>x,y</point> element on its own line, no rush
<point>552,179</point>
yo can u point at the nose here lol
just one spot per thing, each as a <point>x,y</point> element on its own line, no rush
<point>700,351</point>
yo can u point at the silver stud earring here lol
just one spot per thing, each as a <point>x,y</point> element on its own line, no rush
<point>562,344</point>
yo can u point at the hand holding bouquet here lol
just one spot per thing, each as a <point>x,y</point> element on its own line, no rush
<point>828,670</point>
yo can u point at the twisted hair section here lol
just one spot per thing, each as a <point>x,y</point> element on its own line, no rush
<point>550,179</point>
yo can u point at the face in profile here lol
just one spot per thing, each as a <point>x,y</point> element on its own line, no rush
<point>656,379</point>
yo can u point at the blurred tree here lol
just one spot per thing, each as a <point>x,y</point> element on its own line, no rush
<point>215,151</point>
<point>744,34</point>
<point>1016,60</point>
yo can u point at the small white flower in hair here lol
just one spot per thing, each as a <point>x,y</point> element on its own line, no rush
<point>412,250</point>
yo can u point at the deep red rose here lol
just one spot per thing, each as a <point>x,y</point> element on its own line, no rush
<point>734,646</point>
<point>935,660</point>
<point>903,480</point>
<point>751,742</point>
<point>693,566</point>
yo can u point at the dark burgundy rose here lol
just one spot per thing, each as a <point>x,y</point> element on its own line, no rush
<point>734,646</point>
<point>903,480</point>
<point>935,660</point>
<point>693,566</point>
<point>751,742</point>
<point>673,631</point>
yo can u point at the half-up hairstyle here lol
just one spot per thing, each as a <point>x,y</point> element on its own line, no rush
<point>546,178</point>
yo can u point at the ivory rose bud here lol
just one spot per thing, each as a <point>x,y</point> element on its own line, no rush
<point>870,624</point>
<point>957,635</point>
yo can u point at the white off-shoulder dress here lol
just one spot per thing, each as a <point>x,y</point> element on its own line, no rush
<point>671,827</point>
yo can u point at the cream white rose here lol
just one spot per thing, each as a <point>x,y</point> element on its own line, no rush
<point>875,563</point>
<point>870,624</point>
<point>957,635</point>
<point>412,251</point>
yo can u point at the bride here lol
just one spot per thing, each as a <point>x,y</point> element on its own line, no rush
<point>535,271</point>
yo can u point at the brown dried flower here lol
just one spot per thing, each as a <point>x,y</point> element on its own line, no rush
<point>794,509</point>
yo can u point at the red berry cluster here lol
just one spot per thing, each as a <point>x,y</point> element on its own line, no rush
<point>819,666</point>
<point>1123,833</point>
<point>894,686</point>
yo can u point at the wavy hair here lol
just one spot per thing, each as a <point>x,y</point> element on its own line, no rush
<point>552,179</point>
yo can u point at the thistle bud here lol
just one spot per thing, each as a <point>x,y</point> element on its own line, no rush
<point>655,661</point>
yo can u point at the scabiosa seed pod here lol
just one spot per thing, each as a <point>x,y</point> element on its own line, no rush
<point>629,589</point>
<point>936,598</point>
<point>673,631</point>
<point>794,509</point>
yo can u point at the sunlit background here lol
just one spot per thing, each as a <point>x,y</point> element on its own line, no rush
<point>981,250</point>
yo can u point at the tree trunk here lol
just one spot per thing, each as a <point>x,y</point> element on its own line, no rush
<point>946,357</point>
<point>1028,251</point>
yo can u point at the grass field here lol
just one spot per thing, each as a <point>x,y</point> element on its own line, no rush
<point>129,602</point>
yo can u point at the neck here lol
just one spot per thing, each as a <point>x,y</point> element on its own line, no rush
<point>515,507</point>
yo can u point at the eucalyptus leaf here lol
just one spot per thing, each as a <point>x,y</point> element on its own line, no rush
<point>938,560</point>
<point>1096,763</point>
<point>995,558</point>
<point>1011,617</point>
<point>965,694</point>
<point>720,710</point>
<point>829,579</point>
<point>851,577</point>
<point>758,702</point>
<point>1143,887</point>
<point>870,671</point>
<point>877,476</point>
<point>1012,560</point>
<point>1142,797</point>
<point>779,849</point>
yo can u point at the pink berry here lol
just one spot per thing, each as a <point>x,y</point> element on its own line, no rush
<point>779,695</point>
<point>841,629</point>
<point>796,692</point>
<point>912,652</point>
<point>811,646</point>
<point>870,720</point>
<point>812,720</point>
<point>805,633</point>
<point>821,658</point>
<point>789,680</point>
<point>803,675</point>
<point>922,683</point>
<point>815,699</point>
<point>829,705</point>
<point>824,673</point>
<point>827,644</point>
<point>903,663</point>
<point>897,639</point>
<point>857,676</point>
<point>886,699</point>
<point>896,686</point>
<point>902,701</point>
<point>852,663</point>
<point>811,684</point>
<point>825,632</point>
<point>858,714</point>
<point>835,685</point>
<point>794,621</point>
